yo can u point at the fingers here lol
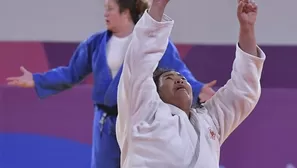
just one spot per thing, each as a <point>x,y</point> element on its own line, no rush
<point>244,1</point>
<point>12,78</point>
<point>251,6</point>
<point>246,6</point>
<point>17,83</point>
<point>212,83</point>
<point>23,69</point>
<point>240,6</point>
<point>254,6</point>
<point>13,83</point>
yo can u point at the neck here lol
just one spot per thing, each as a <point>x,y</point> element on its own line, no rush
<point>124,30</point>
<point>184,106</point>
<point>187,111</point>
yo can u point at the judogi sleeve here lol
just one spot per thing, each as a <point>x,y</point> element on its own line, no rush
<point>64,77</point>
<point>138,99</point>
<point>235,101</point>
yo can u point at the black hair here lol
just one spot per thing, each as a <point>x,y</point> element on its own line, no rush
<point>135,7</point>
<point>158,73</point>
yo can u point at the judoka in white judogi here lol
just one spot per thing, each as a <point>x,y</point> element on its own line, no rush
<point>156,128</point>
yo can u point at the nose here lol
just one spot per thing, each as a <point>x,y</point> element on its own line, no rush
<point>179,81</point>
<point>105,14</point>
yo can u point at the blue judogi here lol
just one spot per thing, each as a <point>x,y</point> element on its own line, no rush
<point>90,56</point>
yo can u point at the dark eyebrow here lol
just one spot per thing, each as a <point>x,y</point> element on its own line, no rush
<point>172,74</point>
<point>169,74</point>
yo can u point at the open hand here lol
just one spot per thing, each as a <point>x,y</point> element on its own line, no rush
<point>207,92</point>
<point>25,81</point>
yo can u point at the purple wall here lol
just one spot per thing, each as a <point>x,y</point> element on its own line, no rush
<point>56,132</point>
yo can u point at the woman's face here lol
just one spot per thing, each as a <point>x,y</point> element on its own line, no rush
<point>113,17</point>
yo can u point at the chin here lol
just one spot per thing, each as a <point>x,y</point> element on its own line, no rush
<point>108,27</point>
<point>184,96</point>
<point>185,101</point>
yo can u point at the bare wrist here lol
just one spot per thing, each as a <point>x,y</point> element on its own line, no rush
<point>157,9</point>
<point>247,28</point>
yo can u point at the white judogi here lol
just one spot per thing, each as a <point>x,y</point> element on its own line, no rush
<point>153,134</point>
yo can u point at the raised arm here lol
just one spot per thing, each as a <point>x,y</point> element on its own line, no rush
<point>64,77</point>
<point>236,100</point>
<point>137,94</point>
